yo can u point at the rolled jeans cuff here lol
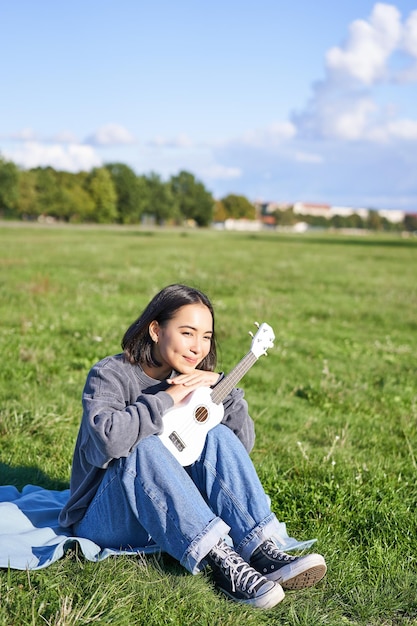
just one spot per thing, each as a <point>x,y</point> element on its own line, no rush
<point>193,557</point>
<point>257,536</point>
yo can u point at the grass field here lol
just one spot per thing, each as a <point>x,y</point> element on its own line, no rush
<point>335,406</point>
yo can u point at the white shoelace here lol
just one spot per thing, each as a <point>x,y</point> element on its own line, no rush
<point>272,550</point>
<point>240,572</point>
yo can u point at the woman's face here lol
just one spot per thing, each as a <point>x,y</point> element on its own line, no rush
<point>184,341</point>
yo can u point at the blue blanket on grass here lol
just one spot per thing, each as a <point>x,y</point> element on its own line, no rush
<point>31,537</point>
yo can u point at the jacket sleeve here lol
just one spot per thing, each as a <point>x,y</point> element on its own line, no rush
<point>237,418</point>
<point>112,422</point>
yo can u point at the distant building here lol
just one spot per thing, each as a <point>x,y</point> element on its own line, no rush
<point>266,210</point>
<point>310,208</point>
<point>345,211</point>
<point>393,216</point>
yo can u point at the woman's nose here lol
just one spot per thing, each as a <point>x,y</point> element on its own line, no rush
<point>196,345</point>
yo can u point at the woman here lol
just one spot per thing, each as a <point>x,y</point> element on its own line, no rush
<point>128,490</point>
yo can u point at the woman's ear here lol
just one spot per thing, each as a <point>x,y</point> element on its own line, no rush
<point>154,331</point>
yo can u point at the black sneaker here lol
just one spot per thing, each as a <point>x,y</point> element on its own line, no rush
<point>292,572</point>
<point>240,582</point>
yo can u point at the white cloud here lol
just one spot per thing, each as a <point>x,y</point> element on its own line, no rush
<point>220,172</point>
<point>65,136</point>
<point>396,130</point>
<point>345,105</point>
<point>407,75</point>
<point>331,114</point>
<point>181,141</point>
<point>26,134</point>
<point>72,158</point>
<point>308,157</point>
<point>273,135</point>
<point>354,118</point>
<point>403,129</point>
<point>409,41</point>
<point>110,135</point>
<point>352,122</point>
<point>369,46</point>
<point>409,46</point>
<point>352,142</point>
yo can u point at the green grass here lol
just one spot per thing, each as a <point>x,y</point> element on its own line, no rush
<point>335,405</point>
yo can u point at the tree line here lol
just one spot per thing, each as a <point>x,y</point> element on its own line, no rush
<point>115,194</point>
<point>374,221</point>
<point>112,194</point>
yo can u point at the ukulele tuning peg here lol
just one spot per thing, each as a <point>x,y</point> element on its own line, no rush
<point>256,324</point>
<point>251,333</point>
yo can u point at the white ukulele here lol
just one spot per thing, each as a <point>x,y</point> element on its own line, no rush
<point>187,424</point>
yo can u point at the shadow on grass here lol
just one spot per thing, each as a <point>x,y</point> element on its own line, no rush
<point>20,476</point>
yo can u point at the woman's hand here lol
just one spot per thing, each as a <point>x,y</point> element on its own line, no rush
<point>181,386</point>
<point>197,378</point>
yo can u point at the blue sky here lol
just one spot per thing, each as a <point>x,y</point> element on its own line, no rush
<point>275,100</point>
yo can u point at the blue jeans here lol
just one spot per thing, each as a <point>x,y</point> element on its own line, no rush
<point>148,501</point>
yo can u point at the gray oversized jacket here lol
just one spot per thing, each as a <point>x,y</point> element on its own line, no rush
<point>121,406</point>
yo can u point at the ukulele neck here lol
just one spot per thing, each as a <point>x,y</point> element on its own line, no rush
<point>225,386</point>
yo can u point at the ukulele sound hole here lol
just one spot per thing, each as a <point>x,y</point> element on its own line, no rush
<point>201,414</point>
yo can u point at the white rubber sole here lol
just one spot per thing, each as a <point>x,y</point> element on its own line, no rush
<point>267,601</point>
<point>305,572</point>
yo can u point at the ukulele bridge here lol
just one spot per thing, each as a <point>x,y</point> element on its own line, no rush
<point>177,441</point>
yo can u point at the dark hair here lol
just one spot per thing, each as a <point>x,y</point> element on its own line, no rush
<point>137,343</point>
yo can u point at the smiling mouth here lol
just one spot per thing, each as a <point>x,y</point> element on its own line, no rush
<point>191,361</point>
